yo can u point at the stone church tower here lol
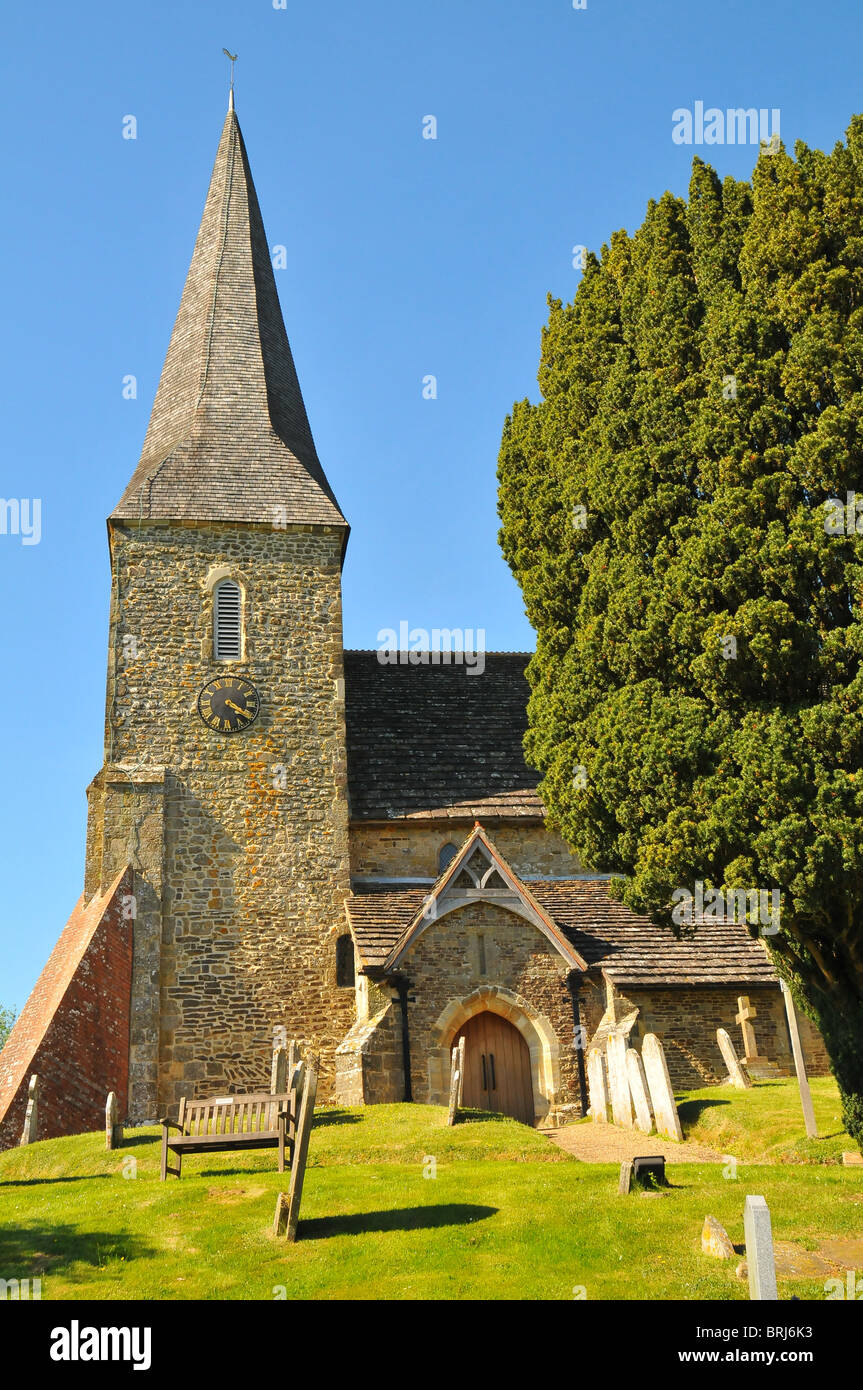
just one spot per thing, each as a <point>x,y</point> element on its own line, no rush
<point>285,835</point>
<point>226,552</point>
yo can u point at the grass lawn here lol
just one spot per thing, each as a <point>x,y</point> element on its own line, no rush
<point>765,1124</point>
<point>508,1215</point>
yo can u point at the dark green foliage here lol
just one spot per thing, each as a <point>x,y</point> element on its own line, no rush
<point>7,1018</point>
<point>702,399</point>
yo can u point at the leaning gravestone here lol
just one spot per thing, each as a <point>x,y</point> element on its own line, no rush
<point>638,1091</point>
<point>113,1130</point>
<point>661,1094</point>
<point>760,1260</point>
<point>597,1086</point>
<point>31,1120</point>
<point>618,1080</point>
<point>737,1074</point>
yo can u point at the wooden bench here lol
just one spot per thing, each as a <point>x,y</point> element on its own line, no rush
<point>233,1123</point>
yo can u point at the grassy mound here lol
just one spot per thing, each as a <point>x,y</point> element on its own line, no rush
<point>396,1205</point>
<point>765,1124</point>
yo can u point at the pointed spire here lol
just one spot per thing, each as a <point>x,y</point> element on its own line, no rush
<point>229,439</point>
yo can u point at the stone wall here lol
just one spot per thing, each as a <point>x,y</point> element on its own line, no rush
<point>686,1021</point>
<point>524,979</point>
<point>240,840</point>
<point>369,1067</point>
<point>407,849</point>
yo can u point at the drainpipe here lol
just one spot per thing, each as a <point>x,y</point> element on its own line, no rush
<point>573,984</point>
<point>402,986</point>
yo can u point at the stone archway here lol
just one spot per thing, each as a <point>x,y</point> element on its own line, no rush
<point>534,1027</point>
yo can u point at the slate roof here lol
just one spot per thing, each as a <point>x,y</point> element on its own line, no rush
<point>430,742</point>
<point>628,948</point>
<point>229,439</point>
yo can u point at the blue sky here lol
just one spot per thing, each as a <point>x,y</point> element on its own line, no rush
<point>406,257</point>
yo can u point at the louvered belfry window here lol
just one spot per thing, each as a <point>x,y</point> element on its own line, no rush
<point>228,621</point>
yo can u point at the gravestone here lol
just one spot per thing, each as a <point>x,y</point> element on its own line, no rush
<point>760,1260</point>
<point>737,1074</point>
<point>30,1132</point>
<point>799,1063</point>
<point>454,1088</point>
<point>759,1067</point>
<point>659,1085</point>
<point>597,1088</point>
<point>618,1080</point>
<point>279,1072</point>
<point>278,1080</point>
<point>715,1239</point>
<point>625,1180</point>
<point>113,1130</point>
<point>638,1091</point>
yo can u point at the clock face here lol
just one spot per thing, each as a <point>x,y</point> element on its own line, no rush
<point>229,704</point>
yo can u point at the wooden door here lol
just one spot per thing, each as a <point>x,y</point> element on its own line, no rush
<point>497,1067</point>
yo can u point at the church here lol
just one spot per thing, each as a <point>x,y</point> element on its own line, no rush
<point>288,839</point>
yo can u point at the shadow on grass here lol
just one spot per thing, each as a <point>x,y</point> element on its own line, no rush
<point>334,1117</point>
<point>131,1141</point>
<point>39,1182</point>
<point>33,1249</point>
<point>690,1110</point>
<point>400,1219</point>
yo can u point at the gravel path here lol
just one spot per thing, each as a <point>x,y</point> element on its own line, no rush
<point>608,1144</point>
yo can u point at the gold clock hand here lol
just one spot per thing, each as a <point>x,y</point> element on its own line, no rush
<point>231,705</point>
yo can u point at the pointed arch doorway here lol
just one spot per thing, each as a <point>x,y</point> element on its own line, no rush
<point>497,1067</point>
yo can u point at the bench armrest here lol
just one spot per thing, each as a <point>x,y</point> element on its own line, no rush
<point>170,1124</point>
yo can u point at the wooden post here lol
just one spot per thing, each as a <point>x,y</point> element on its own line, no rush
<point>454,1088</point>
<point>301,1146</point>
<point>113,1130</point>
<point>461,1047</point>
<point>799,1064</point>
<point>31,1120</point>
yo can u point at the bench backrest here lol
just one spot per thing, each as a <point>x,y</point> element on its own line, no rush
<point>247,1114</point>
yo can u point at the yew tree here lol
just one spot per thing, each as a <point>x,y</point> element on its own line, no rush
<point>683,511</point>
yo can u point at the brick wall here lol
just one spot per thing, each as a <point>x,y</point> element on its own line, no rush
<point>73,1032</point>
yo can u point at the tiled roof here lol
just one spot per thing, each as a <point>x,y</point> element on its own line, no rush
<point>629,948</point>
<point>433,741</point>
<point>229,439</point>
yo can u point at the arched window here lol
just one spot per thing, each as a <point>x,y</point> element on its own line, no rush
<point>227,621</point>
<point>345,962</point>
<point>446,855</point>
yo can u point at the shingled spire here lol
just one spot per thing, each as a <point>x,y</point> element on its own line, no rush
<point>229,439</point>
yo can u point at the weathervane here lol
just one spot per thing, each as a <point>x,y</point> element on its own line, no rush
<point>233,58</point>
